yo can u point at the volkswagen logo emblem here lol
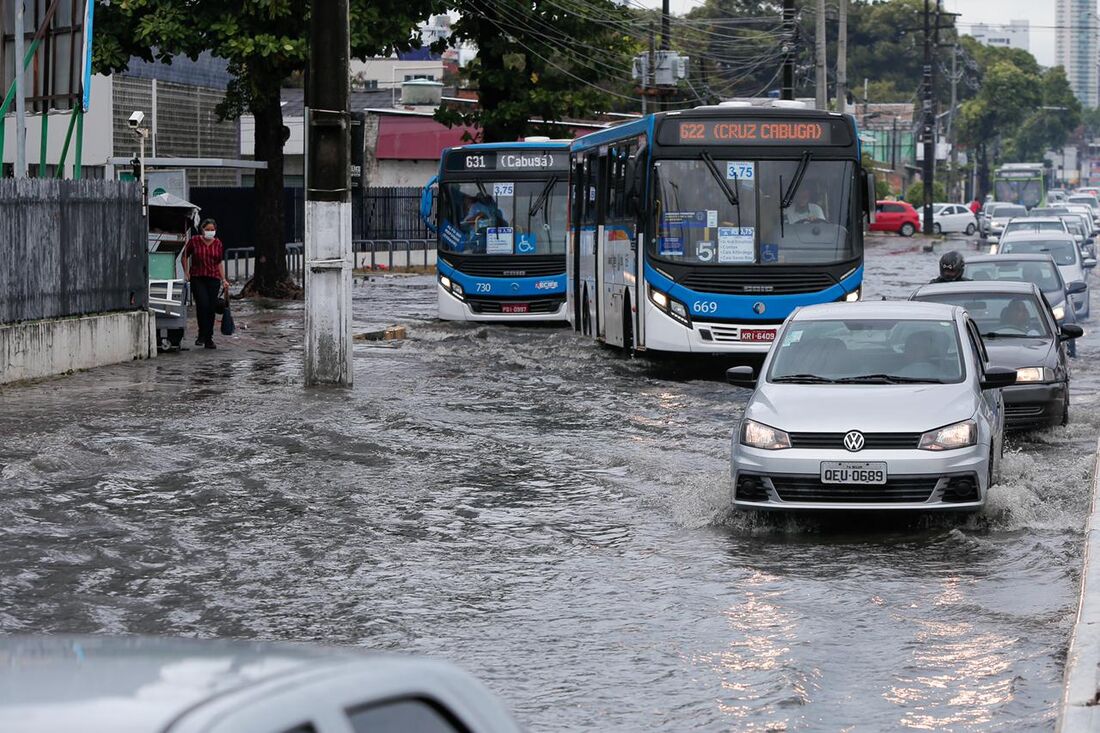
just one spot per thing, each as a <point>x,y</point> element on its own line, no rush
<point>853,441</point>
<point>758,308</point>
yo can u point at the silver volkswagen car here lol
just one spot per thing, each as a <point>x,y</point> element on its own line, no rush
<point>871,406</point>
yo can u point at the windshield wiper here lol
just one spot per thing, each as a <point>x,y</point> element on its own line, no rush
<point>888,379</point>
<point>731,195</point>
<point>543,197</point>
<point>1000,335</point>
<point>803,379</point>
<point>799,174</point>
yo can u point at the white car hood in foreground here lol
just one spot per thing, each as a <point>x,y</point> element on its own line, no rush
<point>875,408</point>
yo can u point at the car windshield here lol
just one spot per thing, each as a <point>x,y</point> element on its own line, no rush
<point>504,217</point>
<point>999,315</point>
<point>1062,251</point>
<point>1009,211</point>
<point>868,351</point>
<point>730,212</point>
<point>1086,200</point>
<point>1027,225</point>
<point>1043,275</point>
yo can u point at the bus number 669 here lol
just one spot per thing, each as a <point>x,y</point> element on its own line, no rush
<point>704,306</point>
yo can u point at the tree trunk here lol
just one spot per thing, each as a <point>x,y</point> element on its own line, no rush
<point>271,278</point>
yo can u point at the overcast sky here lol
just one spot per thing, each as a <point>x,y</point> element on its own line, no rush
<point>1040,13</point>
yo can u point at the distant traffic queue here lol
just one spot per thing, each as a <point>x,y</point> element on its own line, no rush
<point>500,225</point>
<point>701,230</point>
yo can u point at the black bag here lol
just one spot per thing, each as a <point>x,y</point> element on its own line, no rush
<point>228,326</point>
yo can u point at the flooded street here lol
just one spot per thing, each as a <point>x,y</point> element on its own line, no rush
<point>544,513</point>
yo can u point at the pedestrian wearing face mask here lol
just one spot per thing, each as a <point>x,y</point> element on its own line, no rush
<point>204,268</point>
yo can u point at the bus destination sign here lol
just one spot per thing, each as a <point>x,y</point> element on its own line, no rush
<point>753,132</point>
<point>519,161</point>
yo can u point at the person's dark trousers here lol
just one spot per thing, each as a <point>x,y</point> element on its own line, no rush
<point>205,292</point>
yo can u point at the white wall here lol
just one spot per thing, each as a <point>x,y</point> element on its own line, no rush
<point>98,131</point>
<point>389,73</point>
<point>402,172</point>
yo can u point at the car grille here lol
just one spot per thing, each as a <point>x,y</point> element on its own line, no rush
<point>519,266</point>
<point>534,305</point>
<point>757,283</point>
<point>872,441</point>
<point>1022,411</point>
<point>897,489</point>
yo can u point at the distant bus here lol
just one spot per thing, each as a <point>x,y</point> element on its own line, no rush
<point>1020,183</point>
<point>500,224</point>
<point>701,230</point>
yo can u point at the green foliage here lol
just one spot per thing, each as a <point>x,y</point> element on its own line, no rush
<point>915,193</point>
<point>882,188</point>
<point>536,61</point>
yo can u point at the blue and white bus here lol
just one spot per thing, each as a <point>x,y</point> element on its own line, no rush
<point>700,230</point>
<point>500,223</point>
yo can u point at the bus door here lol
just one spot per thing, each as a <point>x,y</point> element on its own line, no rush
<point>573,254</point>
<point>588,244</point>
<point>597,197</point>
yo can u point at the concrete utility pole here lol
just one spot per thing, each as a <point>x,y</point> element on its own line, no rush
<point>20,97</point>
<point>789,45</point>
<point>328,347</point>
<point>928,121</point>
<point>666,45</point>
<point>954,173</point>
<point>821,65</point>
<point>842,57</point>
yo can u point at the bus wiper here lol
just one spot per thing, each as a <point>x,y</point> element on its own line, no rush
<point>800,172</point>
<point>543,197</point>
<point>731,195</point>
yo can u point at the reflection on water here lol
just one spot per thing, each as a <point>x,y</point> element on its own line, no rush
<point>545,513</point>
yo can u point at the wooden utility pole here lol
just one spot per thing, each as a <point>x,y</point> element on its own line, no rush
<point>328,343</point>
<point>789,47</point>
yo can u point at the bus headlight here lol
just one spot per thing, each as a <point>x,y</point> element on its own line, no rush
<point>669,306</point>
<point>445,282</point>
<point>457,290</point>
<point>451,286</point>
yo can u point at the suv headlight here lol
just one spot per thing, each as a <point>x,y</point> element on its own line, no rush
<point>759,435</point>
<point>959,435</point>
<point>670,306</point>
<point>1034,374</point>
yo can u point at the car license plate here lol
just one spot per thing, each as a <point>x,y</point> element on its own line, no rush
<point>758,335</point>
<point>845,472</point>
<point>514,308</point>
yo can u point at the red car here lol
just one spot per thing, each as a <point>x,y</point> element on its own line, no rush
<point>896,216</point>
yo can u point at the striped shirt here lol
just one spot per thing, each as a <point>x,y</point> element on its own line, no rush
<point>205,256</point>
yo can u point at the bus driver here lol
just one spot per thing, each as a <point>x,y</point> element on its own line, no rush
<point>803,208</point>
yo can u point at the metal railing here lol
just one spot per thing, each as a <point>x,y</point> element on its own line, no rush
<point>372,254</point>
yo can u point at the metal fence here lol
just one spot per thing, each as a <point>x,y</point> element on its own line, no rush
<point>70,248</point>
<point>373,254</point>
<point>376,214</point>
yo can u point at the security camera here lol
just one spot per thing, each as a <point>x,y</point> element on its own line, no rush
<point>136,119</point>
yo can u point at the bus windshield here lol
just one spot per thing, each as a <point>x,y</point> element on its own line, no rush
<point>503,218</point>
<point>733,212</point>
<point>1025,192</point>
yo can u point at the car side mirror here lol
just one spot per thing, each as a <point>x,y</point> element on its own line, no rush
<point>997,377</point>
<point>1076,288</point>
<point>1089,263</point>
<point>1090,240</point>
<point>1071,331</point>
<point>741,376</point>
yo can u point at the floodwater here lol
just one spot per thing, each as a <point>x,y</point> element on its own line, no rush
<point>548,515</point>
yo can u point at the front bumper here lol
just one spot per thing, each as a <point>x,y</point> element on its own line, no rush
<point>486,310</point>
<point>789,480</point>
<point>1034,406</point>
<point>664,333</point>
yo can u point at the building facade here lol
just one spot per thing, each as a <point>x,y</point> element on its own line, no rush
<point>1017,34</point>
<point>1077,47</point>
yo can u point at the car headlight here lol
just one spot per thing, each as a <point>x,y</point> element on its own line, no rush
<point>670,306</point>
<point>960,435</point>
<point>1059,312</point>
<point>759,435</point>
<point>1034,374</point>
